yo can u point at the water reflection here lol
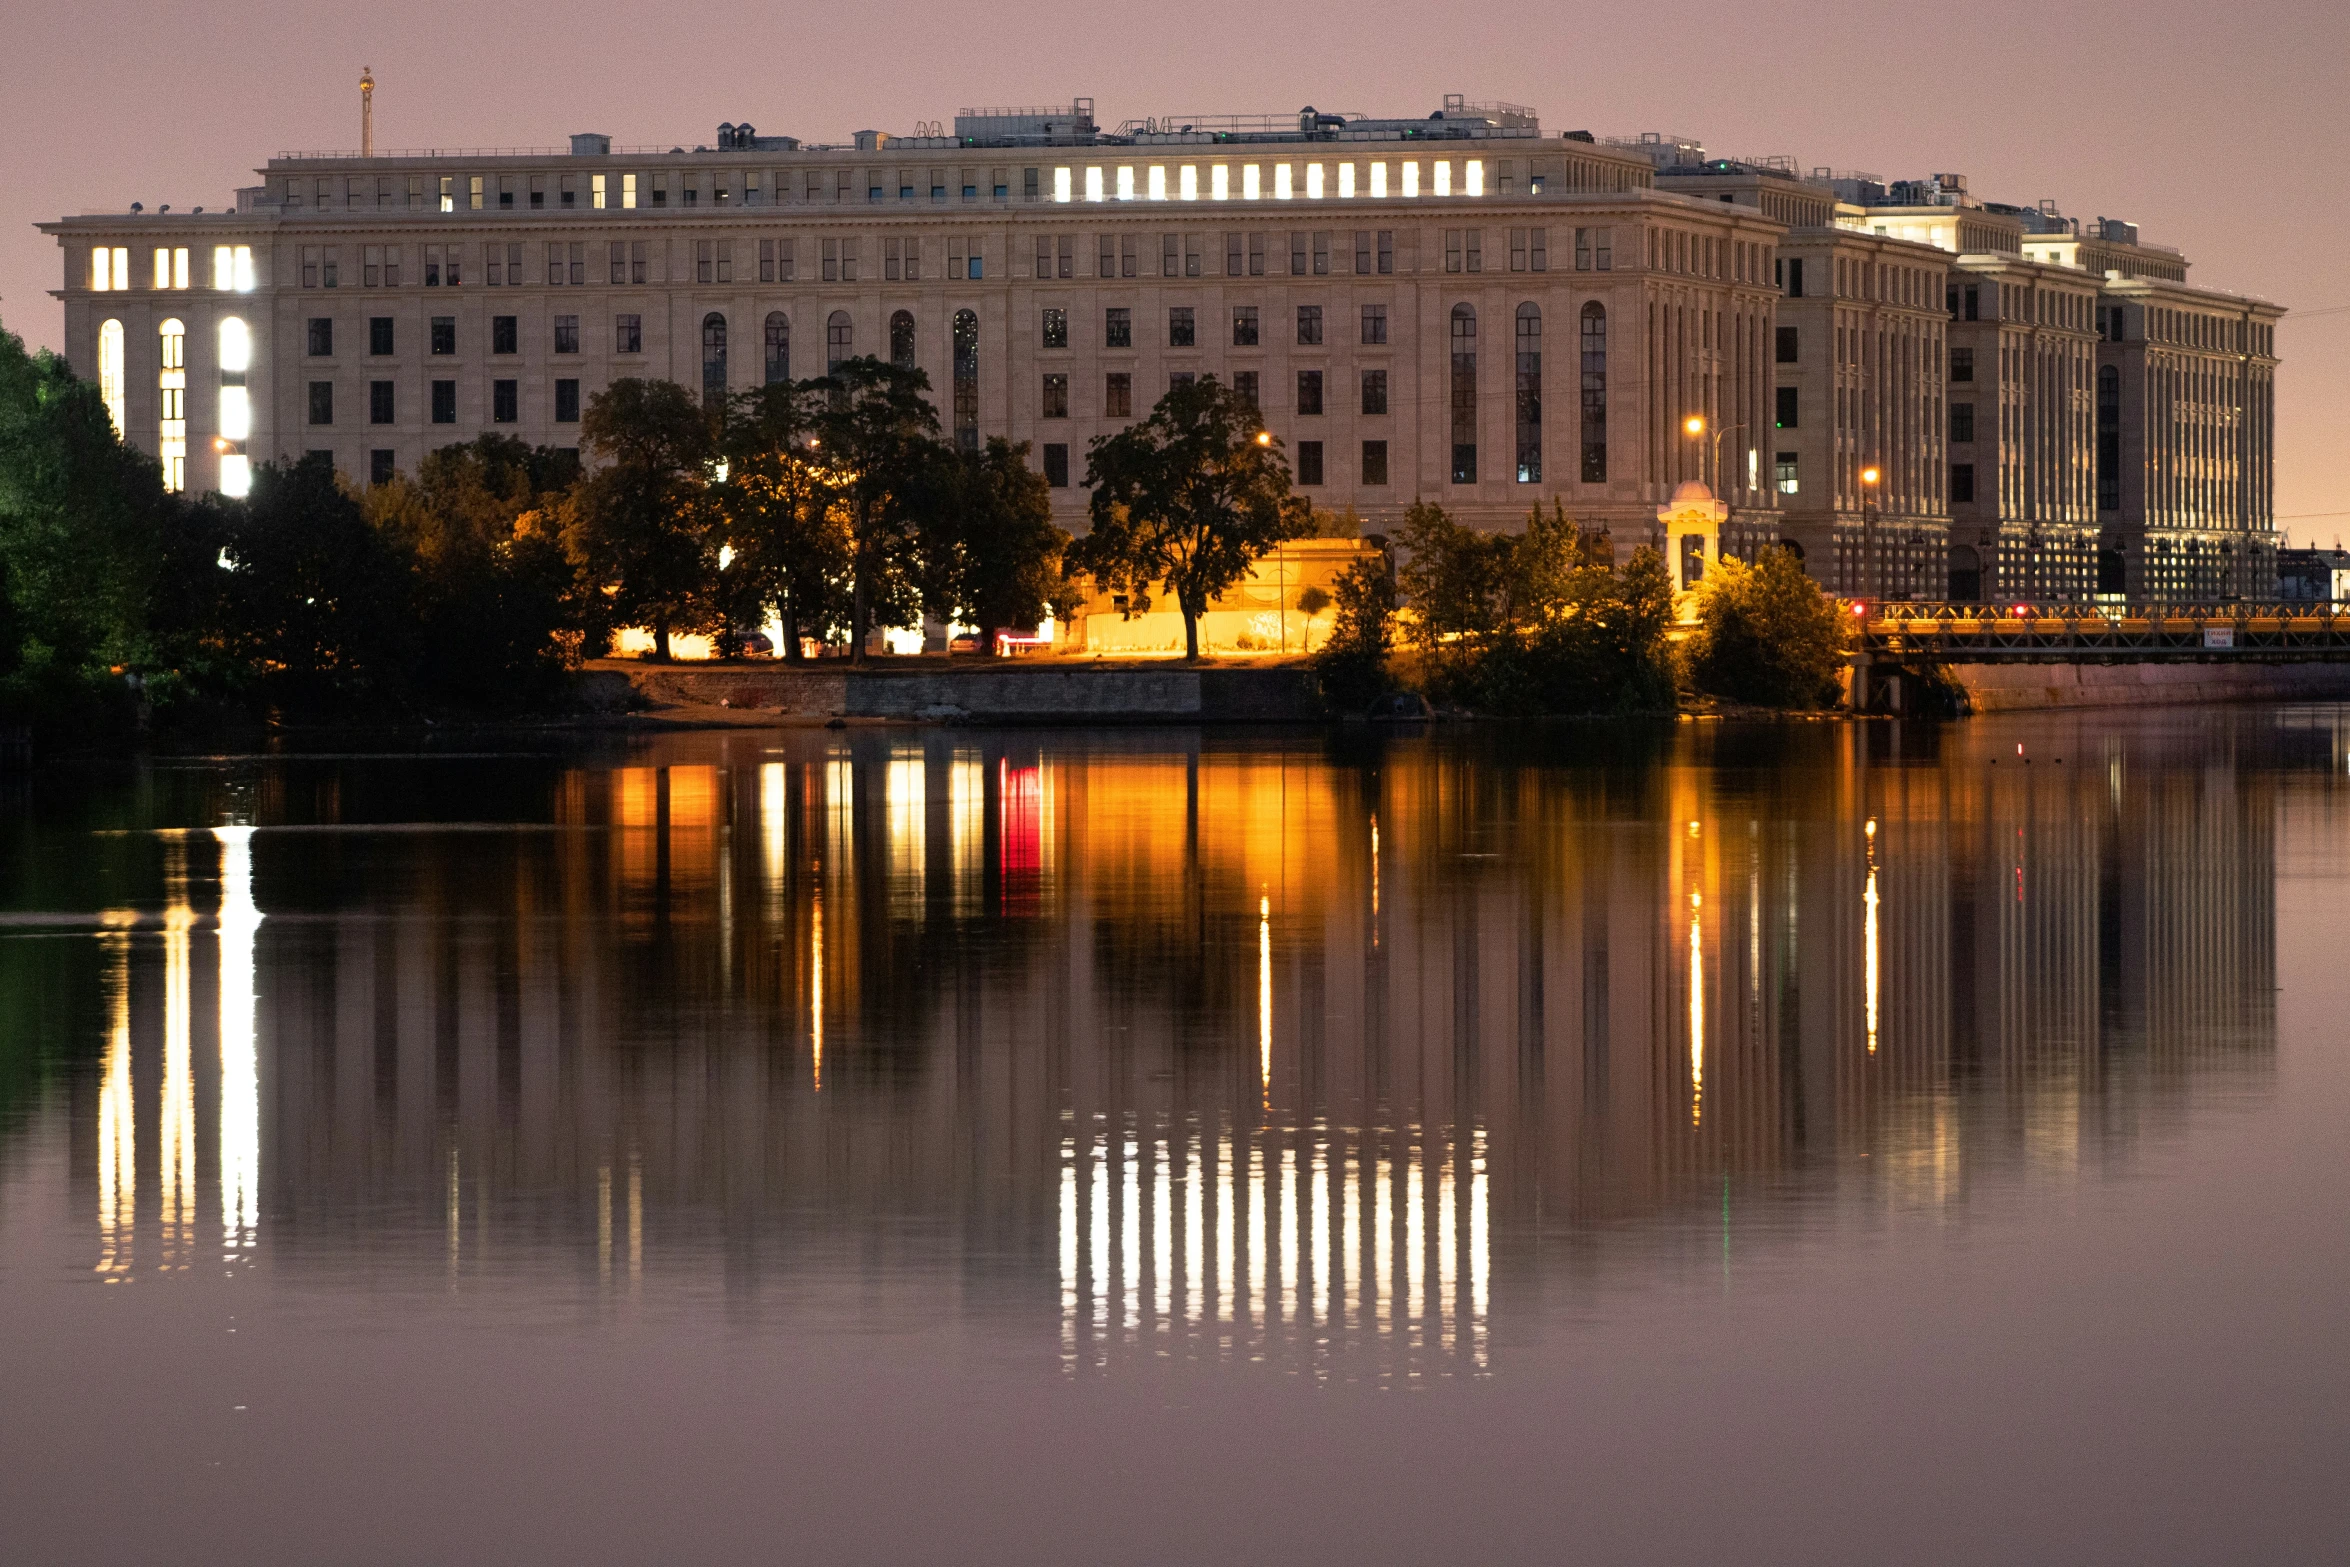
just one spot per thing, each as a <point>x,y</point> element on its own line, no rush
<point>1240,1051</point>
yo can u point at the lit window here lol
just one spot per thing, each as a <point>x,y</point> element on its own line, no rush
<point>1063,183</point>
<point>1281,189</point>
<point>110,268</point>
<point>236,408</point>
<point>1220,182</point>
<point>1443,177</point>
<point>1093,184</point>
<point>172,387</point>
<point>224,267</point>
<point>110,371</point>
<point>1250,186</point>
<point>1157,183</point>
<point>596,190</point>
<point>1474,175</point>
<point>1187,183</point>
<point>1313,182</point>
<point>162,267</point>
<point>1346,181</point>
<point>1126,182</point>
<point>1411,179</point>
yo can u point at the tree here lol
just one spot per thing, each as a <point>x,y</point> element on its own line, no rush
<point>992,552</point>
<point>642,527</point>
<point>1190,498</point>
<point>1766,634</point>
<point>878,435</point>
<point>784,518</point>
<point>1353,660</point>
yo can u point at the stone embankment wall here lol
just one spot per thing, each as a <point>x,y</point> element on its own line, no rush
<point>995,692</point>
<point>1999,688</point>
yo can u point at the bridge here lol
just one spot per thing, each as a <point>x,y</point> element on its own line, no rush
<point>2104,633</point>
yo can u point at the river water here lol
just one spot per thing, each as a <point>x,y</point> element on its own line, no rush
<point>1825,1142</point>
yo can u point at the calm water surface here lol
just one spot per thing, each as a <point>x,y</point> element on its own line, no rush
<point>1827,1143</point>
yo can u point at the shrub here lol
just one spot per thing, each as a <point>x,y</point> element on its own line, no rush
<point>1766,634</point>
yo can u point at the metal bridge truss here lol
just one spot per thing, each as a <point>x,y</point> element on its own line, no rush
<point>2086,633</point>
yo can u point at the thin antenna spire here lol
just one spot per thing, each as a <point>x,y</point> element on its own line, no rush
<point>367,111</point>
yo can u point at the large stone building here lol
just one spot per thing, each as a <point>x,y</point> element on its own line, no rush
<point>1458,308</point>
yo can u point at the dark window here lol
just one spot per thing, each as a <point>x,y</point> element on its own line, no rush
<point>1962,422</point>
<point>1309,462</point>
<point>1374,462</point>
<point>1181,378</point>
<point>1529,403</point>
<point>567,334</point>
<point>1962,482</point>
<point>567,402</point>
<point>379,466</point>
<point>1118,395</point>
<point>322,402</point>
<point>322,337</point>
<point>505,402</point>
<point>444,402</point>
<point>1789,345</point>
<point>1309,326</point>
<point>1056,397</point>
<point>1962,364</point>
<point>778,347</point>
<point>1594,390</point>
<point>1787,409</point>
<point>1056,327</point>
<point>444,334</point>
<point>1056,465</point>
<point>840,340</point>
<point>1180,331</point>
<point>1795,277</point>
<point>2109,438</point>
<point>1974,302</point>
<point>1464,394</point>
<point>380,402</point>
<point>1244,387</point>
<point>1244,326</point>
<point>628,334</point>
<point>901,339</point>
<point>713,358</point>
<point>379,334</point>
<point>1118,327</point>
<point>1309,391</point>
<point>1374,391</point>
<point>967,380</point>
<point>1374,323</point>
<point>505,334</point>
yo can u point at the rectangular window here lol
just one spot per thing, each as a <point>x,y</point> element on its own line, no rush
<point>1244,326</point>
<point>1962,483</point>
<point>1309,462</point>
<point>322,402</point>
<point>1789,342</point>
<point>1170,255</point>
<point>321,337</point>
<point>380,463</point>
<point>444,402</point>
<point>380,402</point>
<point>1788,481</point>
<point>1056,464</point>
<point>567,334</point>
<point>705,260</point>
<point>567,402</point>
<point>1374,391</point>
<point>1309,392</point>
<point>1375,324</point>
<point>1297,253</point>
<point>1181,378</point>
<point>1962,364</point>
<point>379,335</point>
<point>576,262</point>
<point>505,334</point>
<point>1244,387</point>
<point>1309,326</point>
<point>1594,250</point>
<point>1452,250</point>
<point>1386,251</point>
<point>1974,303</point>
<point>505,402</point>
<point>1374,462</point>
<point>1118,327</point>
<point>1056,397</point>
<point>1191,255</point>
<point>619,260</point>
<point>1056,327</point>
<point>1362,252</point>
<point>1787,408</point>
<point>1118,395</point>
<point>832,261</point>
<point>1235,255</point>
<point>1962,422</point>
<point>1321,252</point>
<point>1180,327</point>
<point>371,266</point>
<point>1126,255</point>
<point>444,334</point>
<point>1256,254</point>
<point>628,334</point>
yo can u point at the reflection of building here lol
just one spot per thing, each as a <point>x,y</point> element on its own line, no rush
<point>1202,1050</point>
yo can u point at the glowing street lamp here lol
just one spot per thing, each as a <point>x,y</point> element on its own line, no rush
<point>1868,515</point>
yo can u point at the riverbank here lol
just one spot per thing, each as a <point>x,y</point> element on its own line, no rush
<point>995,691</point>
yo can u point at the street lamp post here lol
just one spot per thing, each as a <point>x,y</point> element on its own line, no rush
<point>1695,427</point>
<point>1874,575</point>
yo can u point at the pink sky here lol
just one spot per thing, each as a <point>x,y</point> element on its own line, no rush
<point>2217,129</point>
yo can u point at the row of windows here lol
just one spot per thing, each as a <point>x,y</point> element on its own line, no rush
<point>232,268</point>
<point>1183,326</point>
<point>383,402</point>
<point>1118,392</point>
<point>1308,467</point>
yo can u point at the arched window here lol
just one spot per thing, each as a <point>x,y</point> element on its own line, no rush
<point>1529,393</point>
<point>171,385</point>
<point>1464,394</point>
<point>778,347</point>
<point>713,358</point>
<point>1594,393</point>
<point>901,340</point>
<point>110,371</point>
<point>236,407</point>
<point>967,380</point>
<point>840,339</point>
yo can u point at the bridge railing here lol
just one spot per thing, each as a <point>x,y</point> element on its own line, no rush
<point>1946,629</point>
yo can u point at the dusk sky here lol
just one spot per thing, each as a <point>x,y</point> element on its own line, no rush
<point>2217,129</point>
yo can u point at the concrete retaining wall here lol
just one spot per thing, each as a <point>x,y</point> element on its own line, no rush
<point>995,692</point>
<point>1999,688</point>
